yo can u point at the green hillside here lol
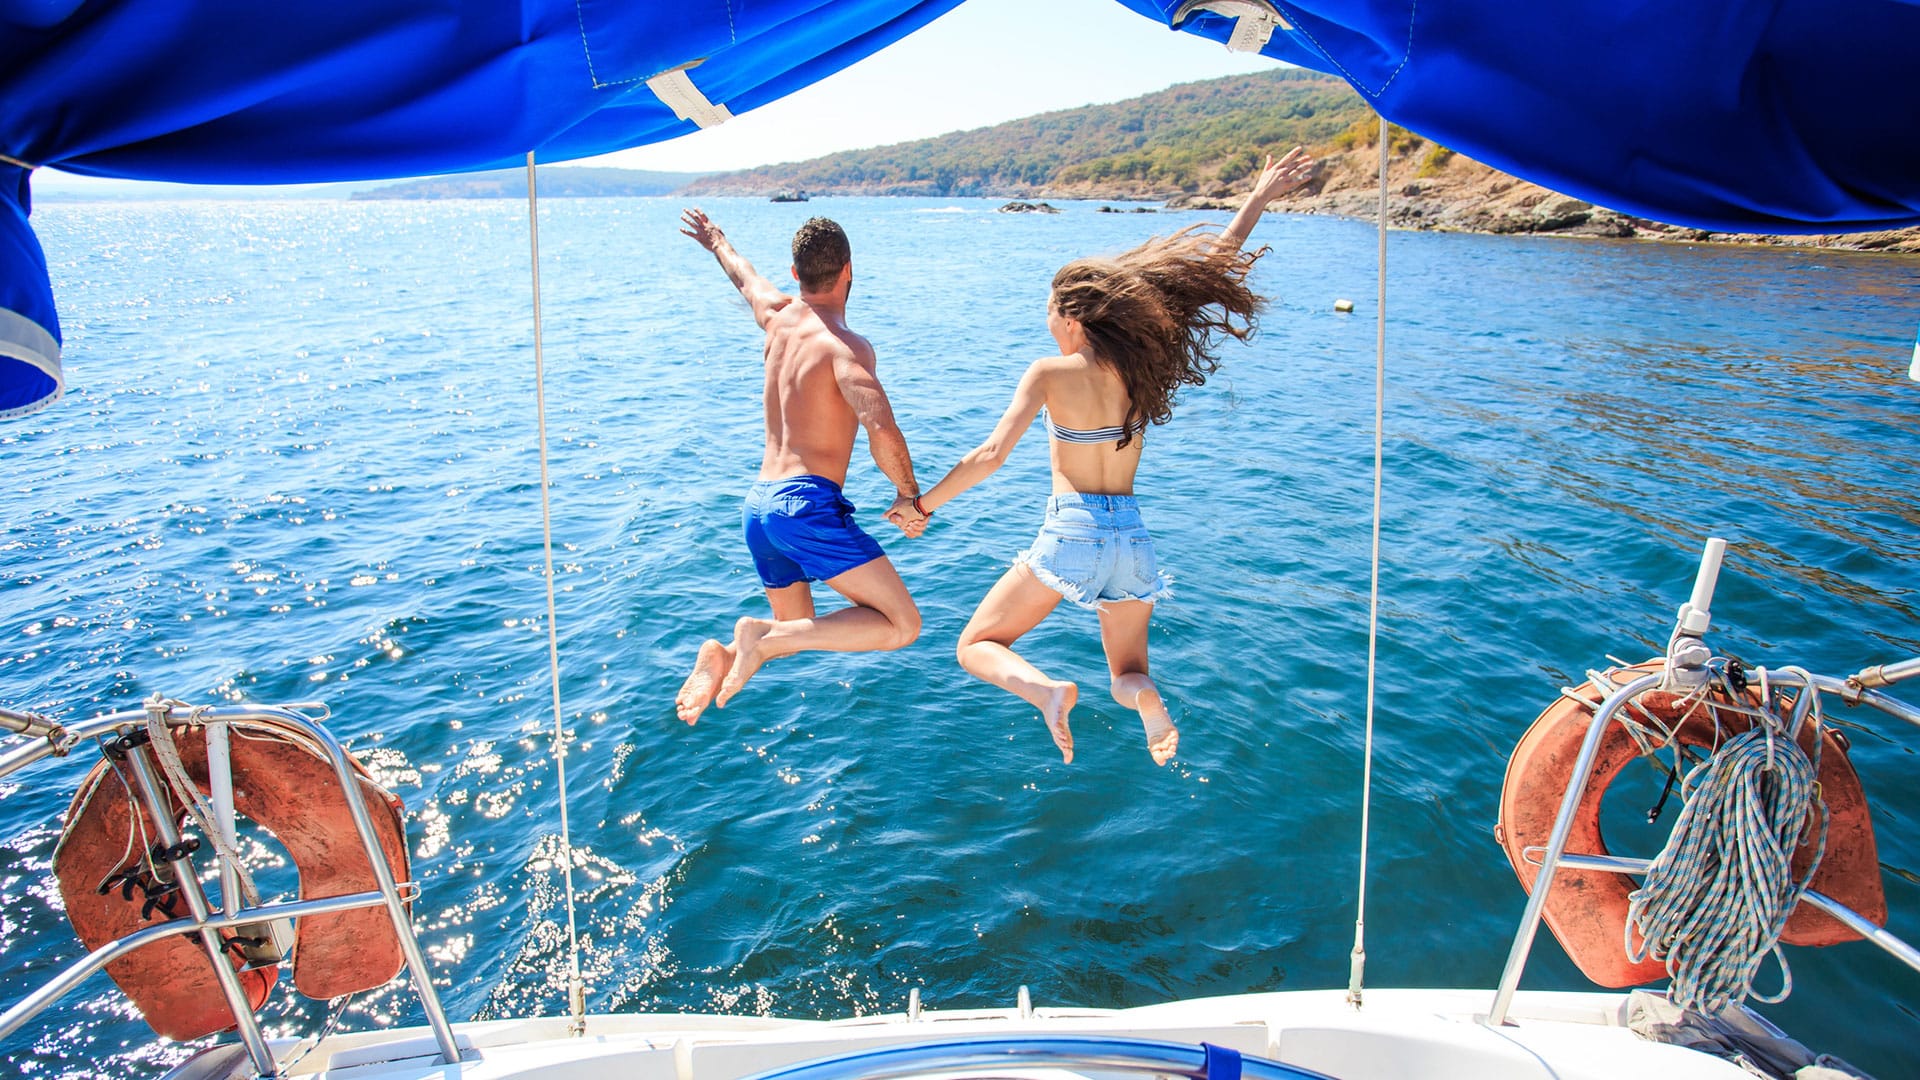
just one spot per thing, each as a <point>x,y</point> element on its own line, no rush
<point>1188,138</point>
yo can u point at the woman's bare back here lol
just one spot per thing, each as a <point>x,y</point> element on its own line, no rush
<point>1084,395</point>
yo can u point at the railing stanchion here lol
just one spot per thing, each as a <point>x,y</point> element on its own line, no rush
<point>1557,843</point>
<point>158,808</point>
<point>396,908</point>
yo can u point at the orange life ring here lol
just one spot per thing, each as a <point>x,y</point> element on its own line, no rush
<point>283,784</point>
<point>1587,909</point>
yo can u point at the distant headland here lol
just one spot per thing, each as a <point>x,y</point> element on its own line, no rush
<point>563,181</point>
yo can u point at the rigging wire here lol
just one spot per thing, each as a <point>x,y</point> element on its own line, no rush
<point>1356,971</point>
<point>576,989</point>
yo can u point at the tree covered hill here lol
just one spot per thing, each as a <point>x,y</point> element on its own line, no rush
<point>1195,138</point>
<point>1196,144</point>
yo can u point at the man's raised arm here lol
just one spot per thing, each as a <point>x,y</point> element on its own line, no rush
<point>762,295</point>
<point>853,370</point>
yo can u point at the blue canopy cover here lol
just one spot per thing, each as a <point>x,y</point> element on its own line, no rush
<point>1762,115</point>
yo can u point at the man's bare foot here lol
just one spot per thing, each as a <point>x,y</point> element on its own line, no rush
<point>1162,737</point>
<point>746,657</point>
<point>708,669</point>
<point>1059,703</point>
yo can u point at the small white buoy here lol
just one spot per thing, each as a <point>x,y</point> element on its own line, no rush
<point>1343,305</point>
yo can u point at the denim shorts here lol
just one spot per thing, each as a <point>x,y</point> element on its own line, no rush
<point>1094,549</point>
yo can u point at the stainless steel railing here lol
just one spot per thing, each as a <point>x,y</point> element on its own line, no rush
<point>51,739</point>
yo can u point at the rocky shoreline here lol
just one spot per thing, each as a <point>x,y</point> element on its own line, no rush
<point>1446,192</point>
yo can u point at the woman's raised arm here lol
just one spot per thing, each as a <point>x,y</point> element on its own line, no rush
<point>1278,178</point>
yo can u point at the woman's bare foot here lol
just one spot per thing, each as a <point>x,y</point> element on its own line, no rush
<point>1054,710</point>
<point>746,657</point>
<point>708,669</point>
<point>1162,737</point>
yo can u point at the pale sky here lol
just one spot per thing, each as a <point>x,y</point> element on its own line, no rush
<point>982,63</point>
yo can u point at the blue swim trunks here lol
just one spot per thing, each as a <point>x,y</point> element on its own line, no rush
<point>1094,550</point>
<point>801,529</point>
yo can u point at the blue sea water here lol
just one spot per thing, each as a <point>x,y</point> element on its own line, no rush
<point>298,461</point>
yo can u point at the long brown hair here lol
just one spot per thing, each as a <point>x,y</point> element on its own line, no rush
<point>1156,315</point>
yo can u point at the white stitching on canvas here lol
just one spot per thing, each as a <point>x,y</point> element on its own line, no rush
<point>581,17</point>
<point>1412,9</point>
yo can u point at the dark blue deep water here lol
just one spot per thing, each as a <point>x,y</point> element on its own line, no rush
<point>298,461</point>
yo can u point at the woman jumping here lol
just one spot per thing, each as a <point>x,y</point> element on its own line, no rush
<point>1132,329</point>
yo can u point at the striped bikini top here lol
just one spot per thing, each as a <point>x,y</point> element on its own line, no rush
<point>1085,435</point>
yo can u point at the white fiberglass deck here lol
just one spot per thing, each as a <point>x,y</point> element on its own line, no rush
<point>1432,1034</point>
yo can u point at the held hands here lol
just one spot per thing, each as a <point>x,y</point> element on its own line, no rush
<point>1280,177</point>
<point>696,225</point>
<point>902,513</point>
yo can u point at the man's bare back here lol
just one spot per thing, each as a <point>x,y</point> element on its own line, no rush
<point>819,389</point>
<point>810,426</point>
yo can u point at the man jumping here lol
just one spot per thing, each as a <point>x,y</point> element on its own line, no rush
<point>819,388</point>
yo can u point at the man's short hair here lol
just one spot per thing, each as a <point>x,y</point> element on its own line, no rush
<point>820,251</point>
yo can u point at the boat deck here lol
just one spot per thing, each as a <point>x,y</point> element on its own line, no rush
<point>1434,1034</point>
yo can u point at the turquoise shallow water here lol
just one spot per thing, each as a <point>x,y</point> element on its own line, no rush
<point>298,463</point>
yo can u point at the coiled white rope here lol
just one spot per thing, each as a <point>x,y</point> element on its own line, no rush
<point>1713,903</point>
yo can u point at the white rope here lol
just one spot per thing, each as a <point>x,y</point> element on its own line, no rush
<point>187,794</point>
<point>1713,903</point>
<point>576,989</point>
<point>136,825</point>
<point>1356,972</point>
